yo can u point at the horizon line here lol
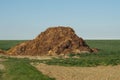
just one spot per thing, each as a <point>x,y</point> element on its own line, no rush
<point>82,38</point>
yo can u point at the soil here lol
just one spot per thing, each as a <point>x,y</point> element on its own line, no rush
<point>80,73</point>
<point>34,57</point>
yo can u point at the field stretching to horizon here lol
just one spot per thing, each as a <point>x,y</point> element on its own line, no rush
<point>7,44</point>
<point>20,69</point>
<point>109,53</point>
<point>100,44</point>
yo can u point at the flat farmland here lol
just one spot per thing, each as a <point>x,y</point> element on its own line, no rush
<point>104,65</point>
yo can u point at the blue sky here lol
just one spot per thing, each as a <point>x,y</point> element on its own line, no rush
<point>91,19</point>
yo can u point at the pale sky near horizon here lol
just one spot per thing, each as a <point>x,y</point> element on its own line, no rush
<point>91,19</point>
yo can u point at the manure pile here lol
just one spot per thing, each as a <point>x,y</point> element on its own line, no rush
<point>2,52</point>
<point>54,41</point>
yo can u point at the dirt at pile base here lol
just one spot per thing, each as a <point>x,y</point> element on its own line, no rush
<point>54,41</point>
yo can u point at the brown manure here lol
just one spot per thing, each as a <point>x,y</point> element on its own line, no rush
<point>54,41</point>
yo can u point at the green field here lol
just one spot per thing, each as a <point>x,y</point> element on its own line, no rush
<point>7,44</point>
<point>20,69</point>
<point>105,45</point>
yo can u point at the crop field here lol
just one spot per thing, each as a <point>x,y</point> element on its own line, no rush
<point>16,69</point>
<point>7,44</point>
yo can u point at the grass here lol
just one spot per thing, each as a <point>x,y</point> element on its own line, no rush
<point>1,73</point>
<point>105,45</point>
<point>7,44</point>
<point>85,61</point>
<point>20,69</point>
